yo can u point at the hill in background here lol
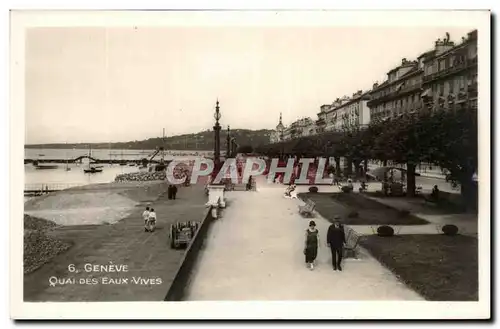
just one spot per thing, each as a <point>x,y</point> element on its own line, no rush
<point>202,141</point>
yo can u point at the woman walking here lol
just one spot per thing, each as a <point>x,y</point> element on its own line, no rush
<point>311,245</point>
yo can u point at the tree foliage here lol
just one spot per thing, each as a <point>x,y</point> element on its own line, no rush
<point>245,149</point>
<point>448,139</point>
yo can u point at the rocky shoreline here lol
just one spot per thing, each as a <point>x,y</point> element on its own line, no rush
<point>141,176</point>
<point>39,246</point>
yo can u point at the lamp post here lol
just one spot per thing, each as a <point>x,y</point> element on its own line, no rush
<point>217,129</point>
<point>233,147</point>
<point>280,129</point>
<point>228,143</point>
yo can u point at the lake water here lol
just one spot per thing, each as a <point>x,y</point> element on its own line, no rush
<point>62,178</point>
<point>106,154</point>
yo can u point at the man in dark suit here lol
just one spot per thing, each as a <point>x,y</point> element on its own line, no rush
<point>335,239</point>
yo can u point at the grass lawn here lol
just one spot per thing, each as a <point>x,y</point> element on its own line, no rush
<point>439,267</point>
<point>370,212</point>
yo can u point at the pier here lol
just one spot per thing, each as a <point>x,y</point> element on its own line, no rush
<point>94,160</point>
<point>40,189</point>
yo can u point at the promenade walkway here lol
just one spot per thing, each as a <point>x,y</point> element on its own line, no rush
<point>254,252</point>
<point>151,263</point>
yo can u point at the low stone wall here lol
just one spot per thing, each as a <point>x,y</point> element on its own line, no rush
<point>180,283</point>
<point>141,176</point>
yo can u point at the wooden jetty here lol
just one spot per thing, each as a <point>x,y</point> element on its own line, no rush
<point>41,189</point>
<point>94,160</point>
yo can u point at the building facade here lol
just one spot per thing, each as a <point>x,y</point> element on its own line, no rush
<point>344,112</point>
<point>301,128</point>
<point>351,112</point>
<point>321,122</point>
<point>450,75</point>
<point>444,77</point>
<point>400,93</point>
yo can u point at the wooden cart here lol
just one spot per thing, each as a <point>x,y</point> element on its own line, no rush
<point>181,234</point>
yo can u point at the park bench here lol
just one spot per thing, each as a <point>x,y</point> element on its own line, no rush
<point>307,209</point>
<point>441,199</point>
<point>352,240</point>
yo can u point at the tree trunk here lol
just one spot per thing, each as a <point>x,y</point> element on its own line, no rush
<point>468,190</point>
<point>348,167</point>
<point>365,167</point>
<point>337,166</point>
<point>384,164</point>
<point>410,180</point>
<point>356,164</point>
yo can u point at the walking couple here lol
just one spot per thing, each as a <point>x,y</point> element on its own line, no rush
<point>149,216</point>
<point>335,239</point>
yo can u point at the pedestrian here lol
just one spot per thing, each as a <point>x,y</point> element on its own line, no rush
<point>174,191</point>
<point>311,244</point>
<point>151,221</point>
<point>145,216</point>
<point>169,191</point>
<point>335,239</point>
<point>249,184</point>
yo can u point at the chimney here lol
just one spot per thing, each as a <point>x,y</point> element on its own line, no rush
<point>403,61</point>
<point>375,85</point>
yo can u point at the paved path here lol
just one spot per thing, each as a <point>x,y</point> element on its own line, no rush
<point>147,255</point>
<point>254,252</point>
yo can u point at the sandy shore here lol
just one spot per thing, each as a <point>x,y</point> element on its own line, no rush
<point>94,204</point>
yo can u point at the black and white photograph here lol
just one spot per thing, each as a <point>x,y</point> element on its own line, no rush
<point>217,156</point>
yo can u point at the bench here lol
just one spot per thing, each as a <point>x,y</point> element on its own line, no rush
<point>307,209</point>
<point>441,199</point>
<point>352,240</point>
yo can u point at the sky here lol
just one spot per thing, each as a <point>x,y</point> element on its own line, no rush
<point>85,84</point>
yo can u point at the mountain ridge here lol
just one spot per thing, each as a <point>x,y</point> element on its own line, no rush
<point>200,141</point>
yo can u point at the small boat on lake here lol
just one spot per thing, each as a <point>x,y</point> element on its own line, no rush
<point>92,170</point>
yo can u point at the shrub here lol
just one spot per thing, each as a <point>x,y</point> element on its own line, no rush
<point>385,231</point>
<point>404,213</point>
<point>353,214</point>
<point>313,189</point>
<point>346,189</point>
<point>450,230</point>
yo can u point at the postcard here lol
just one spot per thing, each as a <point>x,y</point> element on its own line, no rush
<point>250,165</point>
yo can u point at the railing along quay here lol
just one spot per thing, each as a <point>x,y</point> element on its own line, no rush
<point>39,189</point>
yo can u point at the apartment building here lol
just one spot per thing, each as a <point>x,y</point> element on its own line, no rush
<point>400,93</point>
<point>450,74</point>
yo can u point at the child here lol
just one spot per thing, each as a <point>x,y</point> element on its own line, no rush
<point>311,245</point>
<point>145,216</point>
<point>151,221</point>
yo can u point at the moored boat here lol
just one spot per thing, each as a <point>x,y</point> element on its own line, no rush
<point>92,170</point>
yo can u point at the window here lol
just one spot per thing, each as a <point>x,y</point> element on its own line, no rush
<point>451,84</point>
<point>441,65</point>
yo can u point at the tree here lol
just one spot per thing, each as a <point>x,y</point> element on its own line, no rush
<point>245,149</point>
<point>455,147</point>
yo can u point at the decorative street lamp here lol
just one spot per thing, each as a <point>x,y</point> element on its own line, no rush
<point>280,129</point>
<point>228,143</point>
<point>233,147</point>
<point>217,129</point>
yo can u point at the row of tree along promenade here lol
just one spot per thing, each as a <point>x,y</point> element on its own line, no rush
<point>447,139</point>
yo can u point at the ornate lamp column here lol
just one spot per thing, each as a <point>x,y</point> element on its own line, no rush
<point>217,129</point>
<point>233,147</point>
<point>228,143</point>
<point>280,129</point>
<point>216,190</point>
